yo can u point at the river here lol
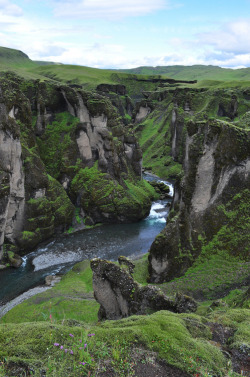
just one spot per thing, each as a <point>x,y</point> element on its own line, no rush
<point>106,241</point>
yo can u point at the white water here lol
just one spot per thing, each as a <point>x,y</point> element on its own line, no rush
<point>160,215</point>
<point>152,177</point>
<point>171,187</point>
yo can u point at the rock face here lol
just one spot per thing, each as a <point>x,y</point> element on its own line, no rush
<point>32,205</point>
<point>163,132</point>
<point>62,148</point>
<point>120,296</point>
<point>119,98</point>
<point>216,170</point>
<point>107,88</point>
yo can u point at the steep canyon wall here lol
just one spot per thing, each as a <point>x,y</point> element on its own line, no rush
<point>199,137</point>
<point>63,153</point>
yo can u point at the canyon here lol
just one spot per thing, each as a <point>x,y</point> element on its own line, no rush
<point>72,156</point>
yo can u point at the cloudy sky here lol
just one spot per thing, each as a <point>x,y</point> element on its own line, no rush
<point>129,33</point>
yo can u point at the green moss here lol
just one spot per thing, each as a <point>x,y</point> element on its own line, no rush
<point>28,236</point>
<point>238,320</point>
<point>166,333</point>
<point>62,208</point>
<point>210,277</point>
<point>196,326</point>
<point>99,190</point>
<point>238,298</point>
<point>163,332</point>
<point>141,270</point>
<point>57,146</point>
<point>234,236</point>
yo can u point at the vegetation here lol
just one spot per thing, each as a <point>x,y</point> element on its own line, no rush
<point>194,72</point>
<point>57,333</point>
<point>65,318</point>
<point>99,191</point>
<point>162,133</point>
<point>136,80</point>
<point>57,144</point>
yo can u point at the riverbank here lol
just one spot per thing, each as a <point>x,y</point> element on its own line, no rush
<point>69,308</point>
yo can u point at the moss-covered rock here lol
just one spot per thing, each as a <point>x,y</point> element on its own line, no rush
<point>119,295</point>
<point>162,134</point>
<point>105,200</point>
<point>211,214</point>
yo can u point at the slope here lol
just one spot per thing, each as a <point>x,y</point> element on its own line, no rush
<point>194,72</point>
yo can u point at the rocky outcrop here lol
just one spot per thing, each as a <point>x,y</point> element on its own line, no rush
<point>142,110</point>
<point>216,169</point>
<point>107,88</point>
<point>120,296</point>
<point>12,178</point>
<point>12,182</point>
<point>119,98</point>
<point>162,189</point>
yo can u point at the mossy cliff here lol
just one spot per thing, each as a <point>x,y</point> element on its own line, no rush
<point>63,148</point>
<point>211,206</point>
<point>161,121</point>
<point>200,138</point>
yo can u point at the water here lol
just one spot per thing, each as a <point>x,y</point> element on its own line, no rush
<point>152,177</point>
<point>107,242</point>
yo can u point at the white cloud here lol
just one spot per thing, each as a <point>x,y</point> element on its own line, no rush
<point>232,37</point>
<point>226,46</point>
<point>228,60</point>
<point>9,9</point>
<point>83,43</point>
<point>97,55</point>
<point>50,50</point>
<point>108,8</point>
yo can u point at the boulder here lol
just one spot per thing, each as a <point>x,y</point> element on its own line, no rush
<point>119,295</point>
<point>51,280</point>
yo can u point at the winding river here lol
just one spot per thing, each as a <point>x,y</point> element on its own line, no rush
<point>58,256</point>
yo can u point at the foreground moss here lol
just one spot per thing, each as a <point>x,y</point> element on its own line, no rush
<point>163,332</point>
<point>30,330</point>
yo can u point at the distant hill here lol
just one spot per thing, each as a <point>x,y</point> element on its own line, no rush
<point>14,58</point>
<point>143,77</point>
<point>42,62</point>
<point>89,78</point>
<point>194,72</point>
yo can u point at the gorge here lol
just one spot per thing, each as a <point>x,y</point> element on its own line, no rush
<point>72,154</point>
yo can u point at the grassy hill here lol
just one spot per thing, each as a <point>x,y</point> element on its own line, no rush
<point>137,79</point>
<point>14,58</point>
<point>89,78</point>
<point>18,62</point>
<point>194,72</point>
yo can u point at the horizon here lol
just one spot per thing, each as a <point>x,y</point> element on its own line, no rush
<point>129,34</point>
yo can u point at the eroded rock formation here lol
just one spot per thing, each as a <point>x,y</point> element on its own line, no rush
<point>216,168</point>
<point>119,295</point>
